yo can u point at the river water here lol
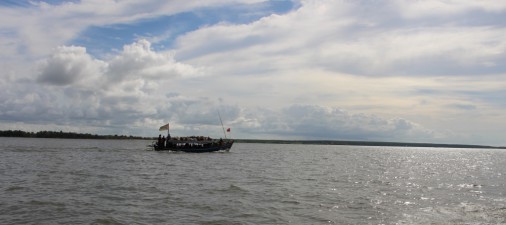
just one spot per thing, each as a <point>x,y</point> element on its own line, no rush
<point>62,181</point>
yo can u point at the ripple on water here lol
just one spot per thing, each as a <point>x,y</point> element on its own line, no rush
<point>17,189</point>
<point>108,221</point>
<point>462,213</point>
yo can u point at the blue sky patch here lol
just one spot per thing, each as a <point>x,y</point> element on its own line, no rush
<point>28,3</point>
<point>165,29</point>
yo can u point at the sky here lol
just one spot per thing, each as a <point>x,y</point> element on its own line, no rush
<point>366,70</point>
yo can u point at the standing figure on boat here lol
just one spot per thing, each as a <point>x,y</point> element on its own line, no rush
<point>167,143</point>
<point>159,143</point>
<point>162,144</point>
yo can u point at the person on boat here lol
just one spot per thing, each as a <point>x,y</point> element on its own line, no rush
<point>159,143</point>
<point>163,142</point>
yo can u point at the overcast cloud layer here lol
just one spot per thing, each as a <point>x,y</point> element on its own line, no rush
<point>397,70</point>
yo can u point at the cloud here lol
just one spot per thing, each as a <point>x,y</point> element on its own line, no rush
<point>72,92</point>
<point>319,122</point>
<point>73,65</point>
<point>463,106</point>
<point>139,60</point>
<point>351,37</point>
<point>430,8</point>
<point>38,28</point>
<point>75,88</point>
<point>361,70</point>
<point>68,65</point>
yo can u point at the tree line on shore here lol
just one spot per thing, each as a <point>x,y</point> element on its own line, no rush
<point>61,134</point>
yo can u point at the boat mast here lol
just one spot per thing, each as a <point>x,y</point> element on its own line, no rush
<point>222,125</point>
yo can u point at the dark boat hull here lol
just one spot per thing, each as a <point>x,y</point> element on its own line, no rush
<point>223,147</point>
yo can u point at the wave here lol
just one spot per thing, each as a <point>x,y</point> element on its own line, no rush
<point>108,220</point>
<point>232,188</point>
<point>46,203</point>
<point>17,188</point>
<point>463,213</point>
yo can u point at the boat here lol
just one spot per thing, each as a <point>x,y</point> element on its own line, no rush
<point>192,144</point>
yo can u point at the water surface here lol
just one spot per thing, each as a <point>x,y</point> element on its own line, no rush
<point>62,181</point>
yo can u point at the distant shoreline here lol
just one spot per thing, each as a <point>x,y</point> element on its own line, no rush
<point>367,143</point>
<point>72,135</point>
<point>65,135</point>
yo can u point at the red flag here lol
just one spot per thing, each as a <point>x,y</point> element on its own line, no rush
<point>228,129</point>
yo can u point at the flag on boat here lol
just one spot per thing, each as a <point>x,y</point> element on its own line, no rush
<point>228,129</point>
<point>164,127</point>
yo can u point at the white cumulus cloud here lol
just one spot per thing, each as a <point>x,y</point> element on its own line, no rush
<point>139,60</point>
<point>69,64</point>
